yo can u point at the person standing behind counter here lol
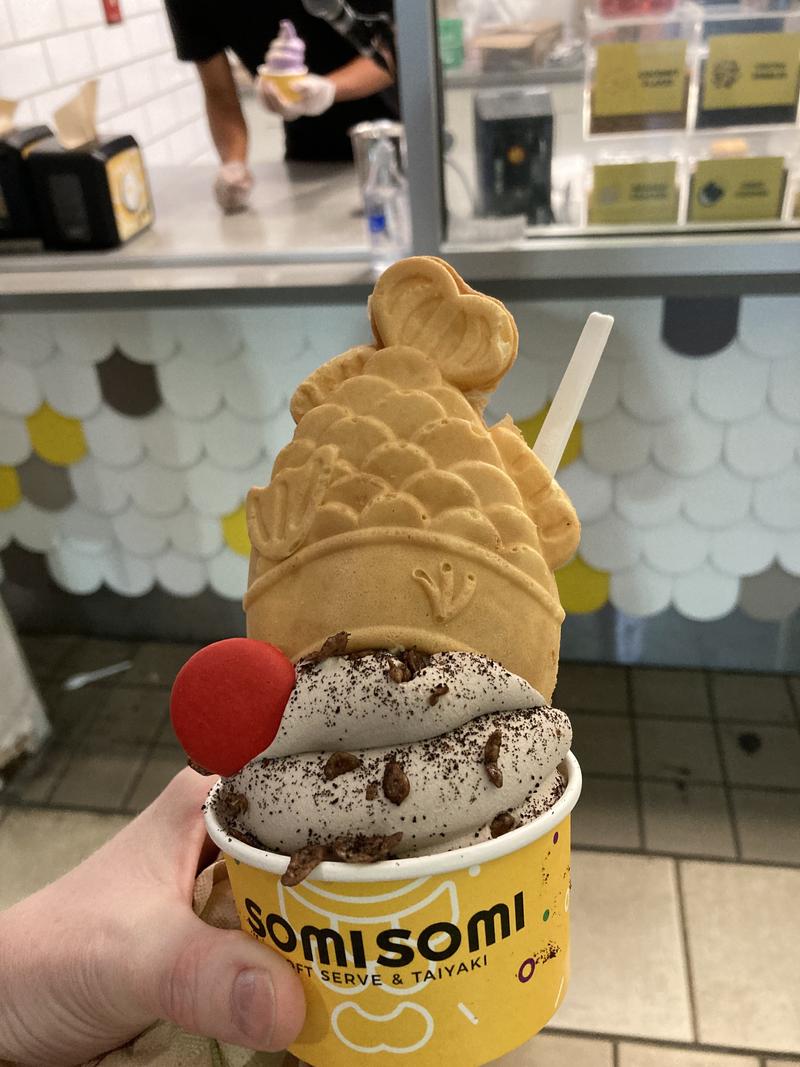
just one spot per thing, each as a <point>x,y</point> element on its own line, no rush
<point>342,89</point>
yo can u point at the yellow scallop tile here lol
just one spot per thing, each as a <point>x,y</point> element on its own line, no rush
<point>10,493</point>
<point>234,530</point>
<point>56,438</point>
<point>530,431</point>
<point>582,589</point>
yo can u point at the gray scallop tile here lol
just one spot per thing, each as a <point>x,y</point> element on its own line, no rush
<point>771,596</point>
<point>700,326</point>
<point>129,388</point>
<point>45,485</point>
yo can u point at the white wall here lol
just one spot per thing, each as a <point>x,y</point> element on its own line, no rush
<point>49,47</point>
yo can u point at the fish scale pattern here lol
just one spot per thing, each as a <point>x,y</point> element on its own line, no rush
<point>129,441</point>
<point>687,482</point>
<point>398,446</point>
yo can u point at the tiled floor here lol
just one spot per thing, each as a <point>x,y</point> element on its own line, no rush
<point>686,869</point>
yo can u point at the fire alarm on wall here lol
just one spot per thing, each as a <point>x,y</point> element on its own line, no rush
<point>113,11</point>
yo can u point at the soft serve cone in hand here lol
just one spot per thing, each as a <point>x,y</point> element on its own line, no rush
<point>285,60</point>
<point>396,808</point>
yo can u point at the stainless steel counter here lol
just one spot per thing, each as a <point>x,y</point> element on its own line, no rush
<point>303,237</point>
<point>304,229</point>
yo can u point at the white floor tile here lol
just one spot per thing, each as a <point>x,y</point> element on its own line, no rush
<point>557,1050</point>
<point>591,687</point>
<point>607,815</point>
<point>743,925</point>
<point>40,846</point>
<point>673,751</point>
<point>670,694</point>
<point>628,969</point>
<point>659,1056</point>
<point>769,825</point>
<point>752,698</point>
<point>687,819</point>
<point>603,743</point>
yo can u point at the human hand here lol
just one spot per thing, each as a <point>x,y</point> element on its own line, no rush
<point>232,187</point>
<point>94,958</point>
<point>315,95</point>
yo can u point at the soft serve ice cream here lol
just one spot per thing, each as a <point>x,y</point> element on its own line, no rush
<point>403,558</point>
<point>285,59</point>
<point>411,762</point>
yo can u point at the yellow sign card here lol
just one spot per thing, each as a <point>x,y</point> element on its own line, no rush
<point>130,192</point>
<point>751,70</point>
<point>640,79</point>
<point>729,190</point>
<point>634,192</point>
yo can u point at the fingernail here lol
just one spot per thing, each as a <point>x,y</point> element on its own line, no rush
<point>253,1004</point>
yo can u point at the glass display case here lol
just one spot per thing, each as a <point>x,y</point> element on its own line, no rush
<point>621,117</point>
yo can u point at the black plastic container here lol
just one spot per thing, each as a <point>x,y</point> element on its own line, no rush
<point>514,143</point>
<point>95,196</point>
<point>19,218</point>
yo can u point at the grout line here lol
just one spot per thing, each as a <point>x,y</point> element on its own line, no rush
<point>671,668</point>
<point>686,953</point>
<point>637,773</point>
<point>74,83</point>
<point>733,721</point>
<point>664,1043</point>
<point>753,787</point>
<point>145,100</point>
<point>148,750</point>
<point>685,857</point>
<point>51,677</point>
<point>726,785</point>
<point>65,31</point>
<point>93,809</point>
<point>72,751</point>
<point>795,704</point>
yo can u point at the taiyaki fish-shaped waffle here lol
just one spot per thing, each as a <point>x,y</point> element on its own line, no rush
<point>395,513</point>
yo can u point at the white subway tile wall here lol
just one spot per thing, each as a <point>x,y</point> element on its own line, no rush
<point>6,31</point>
<point>48,48</point>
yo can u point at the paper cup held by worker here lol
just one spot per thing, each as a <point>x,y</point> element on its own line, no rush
<point>283,82</point>
<point>453,958</point>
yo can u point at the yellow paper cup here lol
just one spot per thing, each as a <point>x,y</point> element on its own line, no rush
<point>282,82</point>
<point>453,958</point>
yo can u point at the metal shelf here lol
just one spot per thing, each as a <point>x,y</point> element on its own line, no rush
<point>470,78</point>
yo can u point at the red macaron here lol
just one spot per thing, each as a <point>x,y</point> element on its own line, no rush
<point>228,701</point>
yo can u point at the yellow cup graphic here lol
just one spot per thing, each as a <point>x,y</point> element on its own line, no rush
<point>282,82</point>
<point>454,958</point>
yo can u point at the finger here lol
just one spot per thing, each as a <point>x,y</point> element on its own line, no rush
<point>164,842</point>
<point>267,94</point>
<point>274,99</point>
<point>222,984</point>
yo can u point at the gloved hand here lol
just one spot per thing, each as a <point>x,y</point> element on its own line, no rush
<point>232,187</point>
<point>316,94</point>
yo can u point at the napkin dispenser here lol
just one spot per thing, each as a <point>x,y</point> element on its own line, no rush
<point>93,196</point>
<point>18,214</point>
<point>91,191</point>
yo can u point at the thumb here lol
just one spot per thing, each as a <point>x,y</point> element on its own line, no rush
<point>222,984</point>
